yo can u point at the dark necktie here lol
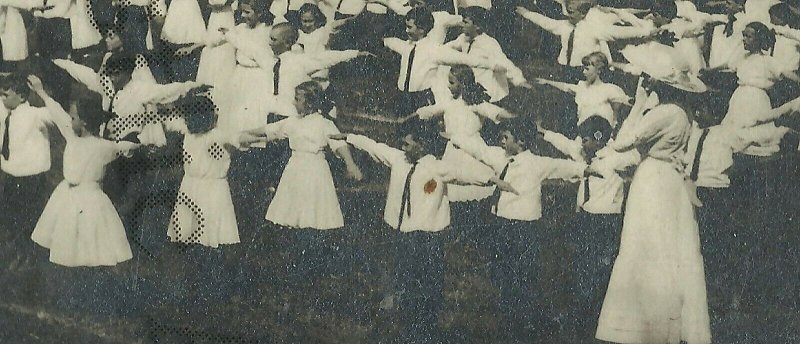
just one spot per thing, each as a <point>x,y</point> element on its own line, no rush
<point>586,191</point>
<point>570,46</point>
<point>339,6</point>
<point>6,137</point>
<point>407,83</point>
<point>405,201</point>
<point>469,47</point>
<point>729,25</point>
<point>699,151</point>
<point>276,76</point>
<point>496,195</point>
<point>287,5</point>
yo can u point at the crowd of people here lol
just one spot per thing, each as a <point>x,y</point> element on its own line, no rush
<point>252,88</point>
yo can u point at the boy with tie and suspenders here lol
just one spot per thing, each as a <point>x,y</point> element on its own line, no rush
<point>24,161</point>
<point>581,36</point>
<point>417,206</point>
<point>421,57</point>
<point>514,242</point>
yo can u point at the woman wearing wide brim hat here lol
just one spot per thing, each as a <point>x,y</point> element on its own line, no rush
<point>657,291</point>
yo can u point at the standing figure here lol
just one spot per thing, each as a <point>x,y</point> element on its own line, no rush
<point>657,291</point>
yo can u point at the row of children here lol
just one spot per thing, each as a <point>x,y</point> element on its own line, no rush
<point>306,196</point>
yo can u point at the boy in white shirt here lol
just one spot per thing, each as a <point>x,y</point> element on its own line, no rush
<point>581,36</point>
<point>24,161</point>
<point>595,229</point>
<point>417,206</point>
<point>475,41</point>
<point>514,240</point>
<point>421,57</point>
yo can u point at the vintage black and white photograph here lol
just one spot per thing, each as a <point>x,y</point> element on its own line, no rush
<point>400,171</point>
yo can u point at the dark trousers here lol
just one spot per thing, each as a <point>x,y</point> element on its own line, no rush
<point>596,238</point>
<point>23,199</point>
<point>135,26</point>
<point>722,248</point>
<point>514,246</point>
<point>419,279</point>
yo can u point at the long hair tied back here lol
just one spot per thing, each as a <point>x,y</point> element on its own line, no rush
<point>472,92</point>
<point>765,36</point>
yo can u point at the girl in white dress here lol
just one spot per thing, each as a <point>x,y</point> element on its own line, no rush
<point>218,57</point>
<point>204,212</point>
<point>240,97</point>
<point>592,95</point>
<point>184,23</point>
<point>757,72</point>
<point>306,196</point>
<point>461,119</point>
<point>13,33</point>
<point>79,225</point>
<point>657,291</point>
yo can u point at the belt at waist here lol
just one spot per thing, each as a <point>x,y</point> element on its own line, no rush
<point>304,153</point>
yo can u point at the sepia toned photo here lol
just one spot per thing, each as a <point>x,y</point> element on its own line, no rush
<point>400,171</point>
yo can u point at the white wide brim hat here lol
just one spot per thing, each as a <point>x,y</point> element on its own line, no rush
<point>664,63</point>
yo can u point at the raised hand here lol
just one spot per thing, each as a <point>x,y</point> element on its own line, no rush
<point>36,84</point>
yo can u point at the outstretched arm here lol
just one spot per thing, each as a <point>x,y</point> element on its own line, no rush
<point>562,86</point>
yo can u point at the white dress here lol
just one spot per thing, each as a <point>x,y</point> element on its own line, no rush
<point>657,289</point>
<point>79,224</point>
<point>14,36</point>
<point>750,101</point>
<point>184,23</point>
<point>461,120</point>
<point>85,32</point>
<point>204,212</point>
<point>241,97</point>
<point>306,196</point>
<point>218,58</point>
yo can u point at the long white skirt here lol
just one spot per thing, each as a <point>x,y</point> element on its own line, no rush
<point>306,196</point>
<point>204,213</point>
<point>657,291</point>
<point>464,161</point>
<point>81,228</point>
<point>217,63</point>
<point>184,23</point>
<point>242,100</point>
<point>748,105</point>
<point>14,38</point>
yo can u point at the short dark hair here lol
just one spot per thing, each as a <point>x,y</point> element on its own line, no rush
<point>782,11</point>
<point>477,14</point>
<point>422,17</point>
<point>524,129</point>
<point>17,83</point>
